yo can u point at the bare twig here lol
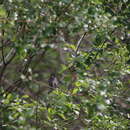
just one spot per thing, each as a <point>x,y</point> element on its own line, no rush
<point>11,54</point>
<point>5,44</point>
<point>9,57</point>
<point>3,57</point>
<point>79,43</point>
<point>2,48</point>
<point>18,20</point>
<point>15,84</point>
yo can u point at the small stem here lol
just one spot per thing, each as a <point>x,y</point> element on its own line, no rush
<point>2,48</point>
<point>79,43</point>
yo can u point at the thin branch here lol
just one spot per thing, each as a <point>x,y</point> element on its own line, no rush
<point>6,63</point>
<point>2,42</point>
<point>3,58</point>
<point>18,20</point>
<point>37,106</point>
<point>11,87</point>
<point>16,83</point>
<point>27,64</point>
<point>79,43</point>
<point>2,48</point>
<point>9,57</point>
<point>5,44</point>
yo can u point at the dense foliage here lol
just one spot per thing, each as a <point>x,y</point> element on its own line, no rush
<point>84,45</point>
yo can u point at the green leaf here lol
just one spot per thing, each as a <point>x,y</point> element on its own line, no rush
<point>75,90</point>
<point>2,12</point>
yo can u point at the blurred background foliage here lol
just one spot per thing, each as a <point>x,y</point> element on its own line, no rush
<point>85,44</point>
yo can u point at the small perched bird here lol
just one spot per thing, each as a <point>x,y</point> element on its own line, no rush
<point>53,82</point>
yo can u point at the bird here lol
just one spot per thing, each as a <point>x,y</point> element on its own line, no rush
<point>53,82</point>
